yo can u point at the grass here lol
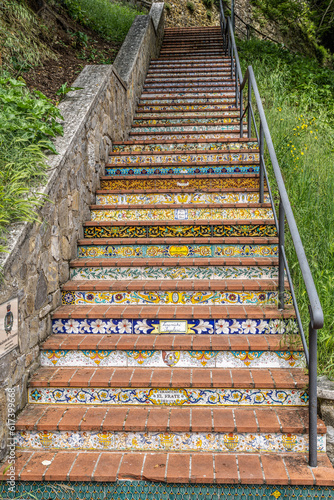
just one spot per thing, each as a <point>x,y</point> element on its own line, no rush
<point>298,97</point>
<point>112,20</point>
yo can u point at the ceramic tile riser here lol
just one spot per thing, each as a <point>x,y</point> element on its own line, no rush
<point>169,359</point>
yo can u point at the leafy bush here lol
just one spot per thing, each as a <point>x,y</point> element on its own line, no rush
<point>208,3</point>
<point>27,122</point>
<point>111,20</point>
<point>298,97</point>
<point>191,7</point>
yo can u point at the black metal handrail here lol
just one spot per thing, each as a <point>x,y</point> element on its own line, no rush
<point>285,214</point>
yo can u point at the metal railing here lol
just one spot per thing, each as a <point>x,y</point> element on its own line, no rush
<point>285,215</point>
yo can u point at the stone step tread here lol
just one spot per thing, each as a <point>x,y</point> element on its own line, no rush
<point>164,206</point>
<point>172,467</point>
<point>235,378</point>
<point>177,262</point>
<point>147,419</point>
<point>172,312</point>
<point>173,285</point>
<point>170,342</point>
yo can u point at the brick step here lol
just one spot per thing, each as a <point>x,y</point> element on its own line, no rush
<point>202,182</point>
<point>191,115</point>
<point>201,292</point>
<point>151,96</point>
<point>173,467</point>
<point>180,229</point>
<point>208,168</point>
<point>146,419</point>
<point>200,106</point>
<point>174,114</point>
<point>140,269</point>
<point>191,68</point>
<point>189,61</point>
<point>215,74</point>
<point>230,132</point>
<point>187,252</point>
<point>194,157</point>
<point>185,101</point>
<point>179,212</point>
<point>194,123</point>
<point>189,86</point>
<point>159,320</point>
<point>161,351</point>
<point>242,144</point>
<point>185,93</point>
<point>187,53</point>
<point>169,387</point>
<point>242,344</point>
<point>169,198</point>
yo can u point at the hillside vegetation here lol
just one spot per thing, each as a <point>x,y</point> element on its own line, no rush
<point>298,97</point>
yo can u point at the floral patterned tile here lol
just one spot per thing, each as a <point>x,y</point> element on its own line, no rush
<point>168,396</point>
<point>185,169</point>
<point>169,441</point>
<point>171,198</point>
<point>180,327</point>
<point>180,359</point>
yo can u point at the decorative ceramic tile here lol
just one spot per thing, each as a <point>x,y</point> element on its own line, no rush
<point>182,121</point>
<point>171,273</point>
<point>185,169</point>
<point>188,146</point>
<point>143,490</point>
<point>200,78</point>
<point>241,183</point>
<point>181,214</point>
<point>180,251</point>
<point>174,198</point>
<point>180,327</point>
<point>186,101</point>
<point>172,297</point>
<point>206,129</point>
<point>228,111</point>
<point>168,441</point>
<point>147,159</point>
<point>234,132</point>
<point>168,396</point>
<point>213,93</point>
<point>181,108</point>
<point>174,231</point>
<point>180,359</point>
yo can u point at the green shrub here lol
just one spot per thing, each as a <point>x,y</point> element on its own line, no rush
<point>111,20</point>
<point>208,3</point>
<point>298,97</point>
<point>191,7</point>
<point>167,7</point>
<point>27,122</point>
<point>209,14</point>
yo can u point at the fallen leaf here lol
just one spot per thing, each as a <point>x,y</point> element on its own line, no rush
<point>46,462</point>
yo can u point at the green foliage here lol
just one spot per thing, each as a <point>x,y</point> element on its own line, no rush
<point>298,22</point>
<point>27,122</point>
<point>208,3</point>
<point>168,7</point>
<point>298,97</point>
<point>65,89</point>
<point>24,39</point>
<point>111,20</point>
<point>209,14</point>
<point>191,7</point>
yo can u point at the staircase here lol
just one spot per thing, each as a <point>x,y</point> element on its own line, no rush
<point>169,359</point>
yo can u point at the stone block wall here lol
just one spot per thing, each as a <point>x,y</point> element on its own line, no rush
<point>38,260</point>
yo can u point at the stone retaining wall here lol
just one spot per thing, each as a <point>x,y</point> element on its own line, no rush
<point>38,260</point>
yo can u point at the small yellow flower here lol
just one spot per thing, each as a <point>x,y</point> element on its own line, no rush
<point>301,153</point>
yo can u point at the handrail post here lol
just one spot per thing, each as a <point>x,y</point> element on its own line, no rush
<point>261,163</point>
<point>249,117</point>
<point>313,438</point>
<point>236,89</point>
<point>281,238</point>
